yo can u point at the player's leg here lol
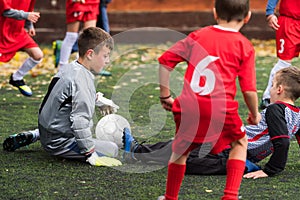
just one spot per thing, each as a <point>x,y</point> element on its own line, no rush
<point>16,78</point>
<point>287,47</point>
<point>104,18</point>
<point>159,152</point>
<point>99,17</point>
<point>106,148</point>
<point>85,25</point>
<point>16,141</point>
<point>129,146</point>
<point>68,42</point>
<point>235,168</point>
<point>176,167</point>
<point>176,170</point>
<point>89,23</point>
<point>210,164</point>
<point>72,151</point>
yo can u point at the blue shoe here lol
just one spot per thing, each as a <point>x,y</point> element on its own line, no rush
<point>251,167</point>
<point>130,145</point>
<point>127,140</point>
<point>56,45</point>
<point>104,73</point>
<point>20,84</point>
<point>16,141</point>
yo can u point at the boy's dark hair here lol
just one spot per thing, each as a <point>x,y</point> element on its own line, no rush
<point>290,78</point>
<point>232,9</point>
<point>94,38</point>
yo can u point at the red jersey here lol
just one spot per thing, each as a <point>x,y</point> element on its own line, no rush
<point>290,8</point>
<point>13,35</point>
<point>216,57</point>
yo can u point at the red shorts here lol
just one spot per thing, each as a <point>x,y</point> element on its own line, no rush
<point>288,38</point>
<point>81,12</point>
<point>232,130</point>
<point>25,42</point>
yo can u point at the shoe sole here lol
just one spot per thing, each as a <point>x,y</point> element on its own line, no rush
<point>14,142</point>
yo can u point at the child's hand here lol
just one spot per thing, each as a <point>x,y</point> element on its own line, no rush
<point>33,16</point>
<point>167,103</point>
<point>105,105</point>
<point>31,32</point>
<point>256,174</point>
<point>273,22</point>
<point>253,120</point>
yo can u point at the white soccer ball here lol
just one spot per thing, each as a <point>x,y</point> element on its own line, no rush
<point>110,128</point>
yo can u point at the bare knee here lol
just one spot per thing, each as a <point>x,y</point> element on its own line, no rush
<point>35,53</point>
<point>239,149</point>
<point>38,54</point>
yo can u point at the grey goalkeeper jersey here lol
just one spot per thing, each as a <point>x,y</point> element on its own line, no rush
<point>65,115</point>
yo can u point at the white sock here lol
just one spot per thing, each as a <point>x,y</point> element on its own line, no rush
<point>66,48</point>
<point>36,135</point>
<point>26,66</point>
<point>279,65</point>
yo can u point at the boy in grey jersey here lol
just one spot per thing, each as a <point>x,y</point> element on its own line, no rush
<point>65,115</point>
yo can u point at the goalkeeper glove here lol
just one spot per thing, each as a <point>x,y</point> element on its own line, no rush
<point>106,106</point>
<point>95,160</point>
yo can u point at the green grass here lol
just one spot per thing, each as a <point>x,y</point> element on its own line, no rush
<point>30,173</point>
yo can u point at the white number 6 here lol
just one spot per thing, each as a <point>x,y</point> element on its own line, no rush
<point>202,71</point>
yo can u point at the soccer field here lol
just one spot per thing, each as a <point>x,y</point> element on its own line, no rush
<point>30,173</point>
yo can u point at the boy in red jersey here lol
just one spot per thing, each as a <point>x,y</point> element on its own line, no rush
<point>17,16</point>
<point>287,27</point>
<point>206,111</point>
<point>77,11</point>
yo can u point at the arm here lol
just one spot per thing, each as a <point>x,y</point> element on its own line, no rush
<point>271,7</point>
<point>251,101</point>
<point>16,14</point>
<point>21,15</point>
<point>165,95</point>
<point>271,17</point>
<point>278,132</point>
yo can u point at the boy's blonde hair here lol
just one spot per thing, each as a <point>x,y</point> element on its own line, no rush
<point>94,38</point>
<point>289,78</point>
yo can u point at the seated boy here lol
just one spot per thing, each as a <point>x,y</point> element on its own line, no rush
<point>65,115</point>
<point>280,122</point>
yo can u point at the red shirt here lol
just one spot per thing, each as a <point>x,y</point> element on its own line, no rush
<point>290,8</point>
<point>13,35</point>
<point>216,58</point>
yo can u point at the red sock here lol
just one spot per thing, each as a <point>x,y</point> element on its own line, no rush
<point>174,180</point>
<point>235,171</point>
